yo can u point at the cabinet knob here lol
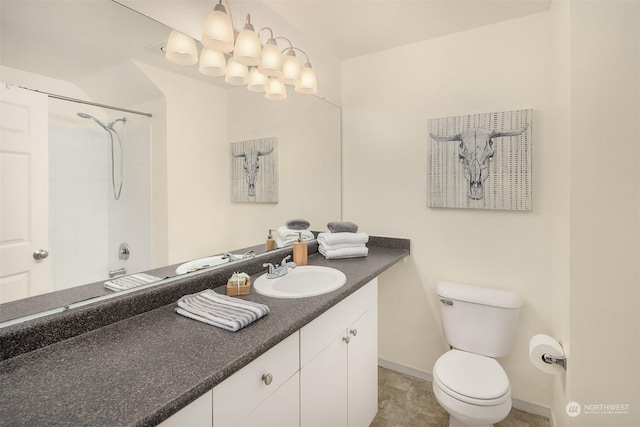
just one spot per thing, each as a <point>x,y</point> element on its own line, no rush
<point>267,378</point>
<point>346,339</point>
<point>353,332</point>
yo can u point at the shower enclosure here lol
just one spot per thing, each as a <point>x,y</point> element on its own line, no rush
<point>99,193</point>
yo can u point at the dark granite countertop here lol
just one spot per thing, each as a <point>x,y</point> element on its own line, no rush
<point>141,370</point>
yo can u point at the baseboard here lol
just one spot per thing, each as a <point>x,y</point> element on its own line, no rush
<point>531,408</point>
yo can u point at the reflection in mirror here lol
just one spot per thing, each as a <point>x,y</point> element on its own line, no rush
<point>175,202</point>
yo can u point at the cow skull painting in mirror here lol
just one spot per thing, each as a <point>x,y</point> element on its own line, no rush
<point>467,147</point>
<point>254,171</point>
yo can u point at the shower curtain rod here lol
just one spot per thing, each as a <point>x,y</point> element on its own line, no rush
<point>81,101</point>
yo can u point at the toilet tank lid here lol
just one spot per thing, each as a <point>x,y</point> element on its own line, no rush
<point>479,295</point>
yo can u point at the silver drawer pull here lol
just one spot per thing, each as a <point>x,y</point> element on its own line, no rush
<point>446,301</point>
<point>346,339</point>
<point>353,332</point>
<point>267,378</point>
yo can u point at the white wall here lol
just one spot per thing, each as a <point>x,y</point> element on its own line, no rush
<point>196,147</point>
<point>574,257</point>
<point>605,207</point>
<point>387,99</point>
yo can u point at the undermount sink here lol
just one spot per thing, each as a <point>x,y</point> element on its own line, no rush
<point>300,282</point>
<point>200,264</point>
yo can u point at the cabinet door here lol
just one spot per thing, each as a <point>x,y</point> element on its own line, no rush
<point>240,394</point>
<point>363,369</point>
<point>281,409</point>
<point>323,387</point>
<point>197,414</point>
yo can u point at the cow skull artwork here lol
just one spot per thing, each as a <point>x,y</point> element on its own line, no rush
<point>475,152</point>
<point>251,166</point>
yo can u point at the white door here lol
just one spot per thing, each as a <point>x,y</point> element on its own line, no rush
<point>24,190</point>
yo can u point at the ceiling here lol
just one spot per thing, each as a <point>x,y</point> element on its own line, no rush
<point>352,28</point>
<point>70,39</point>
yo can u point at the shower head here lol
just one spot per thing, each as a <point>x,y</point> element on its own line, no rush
<point>87,116</point>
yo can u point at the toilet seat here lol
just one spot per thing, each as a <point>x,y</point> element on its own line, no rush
<point>472,378</point>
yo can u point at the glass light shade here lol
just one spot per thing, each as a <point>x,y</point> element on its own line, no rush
<point>237,74</point>
<point>276,89</point>
<point>181,49</point>
<point>248,49</point>
<point>212,63</point>
<point>271,64</point>
<point>258,82</point>
<point>308,82</point>
<point>291,69</point>
<point>217,32</point>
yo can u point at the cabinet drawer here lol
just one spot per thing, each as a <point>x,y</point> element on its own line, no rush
<point>241,393</point>
<point>320,332</point>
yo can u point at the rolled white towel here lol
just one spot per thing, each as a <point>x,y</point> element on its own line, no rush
<point>328,239</point>
<point>341,245</point>
<point>286,236</point>
<point>219,310</point>
<point>351,252</point>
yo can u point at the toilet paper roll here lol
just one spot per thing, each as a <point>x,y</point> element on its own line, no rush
<point>540,345</point>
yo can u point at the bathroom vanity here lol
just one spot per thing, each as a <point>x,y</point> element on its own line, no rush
<point>159,367</point>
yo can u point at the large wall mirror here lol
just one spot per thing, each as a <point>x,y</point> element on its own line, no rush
<point>154,172</point>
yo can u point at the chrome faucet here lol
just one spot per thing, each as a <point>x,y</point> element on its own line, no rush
<point>280,270</point>
<point>232,257</point>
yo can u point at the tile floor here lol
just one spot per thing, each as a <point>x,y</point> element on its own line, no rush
<point>406,401</point>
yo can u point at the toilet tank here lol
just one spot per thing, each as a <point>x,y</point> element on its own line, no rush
<point>477,319</point>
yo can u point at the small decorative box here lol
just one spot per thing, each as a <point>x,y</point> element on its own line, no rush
<point>239,284</point>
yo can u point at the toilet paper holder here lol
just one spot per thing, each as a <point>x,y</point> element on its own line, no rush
<point>549,359</point>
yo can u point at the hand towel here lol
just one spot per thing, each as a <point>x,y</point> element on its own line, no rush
<point>328,239</point>
<point>353,252</point>
<point>286,236</point>
<point>131,281</point>
<point>219,310</point>
<point>342,227</point>
<point>297,224</point>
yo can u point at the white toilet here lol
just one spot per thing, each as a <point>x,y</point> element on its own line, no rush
<point>479,324</point>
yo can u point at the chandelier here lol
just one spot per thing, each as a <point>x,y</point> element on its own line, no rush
<point>243,60</point>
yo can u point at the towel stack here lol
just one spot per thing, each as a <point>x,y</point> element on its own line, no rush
<point>222,311</point>
<point>289,233</point>
<point>343,241</point>
<point>131,281</point>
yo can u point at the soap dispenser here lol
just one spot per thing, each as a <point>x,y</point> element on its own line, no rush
<point>271,244</point>
<point>300,251</point>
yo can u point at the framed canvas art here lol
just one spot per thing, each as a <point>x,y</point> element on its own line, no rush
<point>254,171</point>
<point>481,161</point>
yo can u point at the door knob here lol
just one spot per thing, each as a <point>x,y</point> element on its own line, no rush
<point>40,254</point>
<point>346,339</point>
<point>353,332</point>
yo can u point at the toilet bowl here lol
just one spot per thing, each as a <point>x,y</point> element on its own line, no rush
<point>479,324</point>
<point>473,389</point>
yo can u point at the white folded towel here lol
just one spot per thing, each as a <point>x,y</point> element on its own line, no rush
<point>131,281</point>
<point>219,310</point>
<point>329,239</point>
<point>287,236</point>
<point>347,252</point>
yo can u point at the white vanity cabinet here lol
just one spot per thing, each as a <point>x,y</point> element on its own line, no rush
<point>325,374</point>
<point>339,363</point>
<point>196,414</point>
